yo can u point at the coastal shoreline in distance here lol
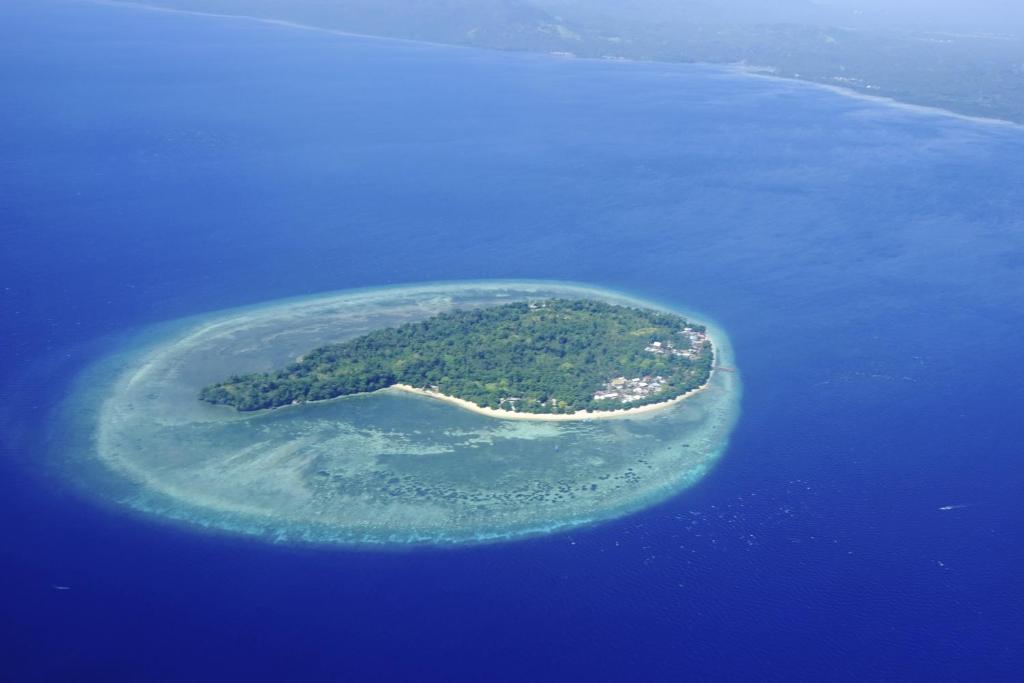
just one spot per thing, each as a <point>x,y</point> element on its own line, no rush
<point>556,417</point>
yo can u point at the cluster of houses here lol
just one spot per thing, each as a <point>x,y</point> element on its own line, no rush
<point>694,342</point>
<point>626,390</point>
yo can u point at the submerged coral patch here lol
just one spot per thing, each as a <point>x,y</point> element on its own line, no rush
<point>376,468</point>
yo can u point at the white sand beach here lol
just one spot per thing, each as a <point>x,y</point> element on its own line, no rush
<point>554,417</point>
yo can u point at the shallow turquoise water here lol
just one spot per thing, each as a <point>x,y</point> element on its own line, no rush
<point>373,469</point>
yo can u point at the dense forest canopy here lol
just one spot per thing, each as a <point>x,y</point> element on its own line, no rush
<point>551,356</point>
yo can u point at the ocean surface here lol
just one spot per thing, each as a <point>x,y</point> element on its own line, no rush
<point>867,261</point>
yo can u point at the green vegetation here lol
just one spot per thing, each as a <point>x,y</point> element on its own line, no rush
<point>549,356</point>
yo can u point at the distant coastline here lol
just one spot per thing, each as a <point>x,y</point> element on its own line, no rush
<point>885,99</point>
<point>881,99</point>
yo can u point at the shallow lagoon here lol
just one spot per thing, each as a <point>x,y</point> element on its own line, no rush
<point>383,468</point>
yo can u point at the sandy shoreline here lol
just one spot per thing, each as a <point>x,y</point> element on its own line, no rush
<point>551,417</point>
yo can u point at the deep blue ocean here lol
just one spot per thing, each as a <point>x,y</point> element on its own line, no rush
<point>867,261</point>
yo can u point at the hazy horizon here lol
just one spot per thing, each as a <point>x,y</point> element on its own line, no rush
<point>1000,16</point>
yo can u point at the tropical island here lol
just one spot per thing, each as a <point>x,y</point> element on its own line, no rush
<point>546,357</point>
<point>382,470</point>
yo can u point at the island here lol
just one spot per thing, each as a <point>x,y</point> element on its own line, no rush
<point>566,357</point>
<point>387,469</point>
